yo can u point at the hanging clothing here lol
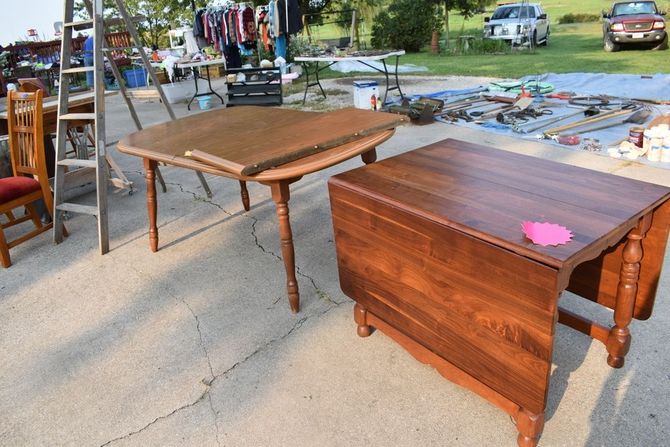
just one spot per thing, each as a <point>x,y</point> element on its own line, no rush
<point>294,17</point>
<point>280,46</point>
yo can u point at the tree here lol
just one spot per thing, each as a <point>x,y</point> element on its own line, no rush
<point>158,15</point>
<point>467,9</point>
<point>405,24</point>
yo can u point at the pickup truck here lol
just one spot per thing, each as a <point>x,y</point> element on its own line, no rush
<point>629,23</point>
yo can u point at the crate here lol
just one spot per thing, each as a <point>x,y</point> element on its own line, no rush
<point>135,78</point>
<point>261,86</point>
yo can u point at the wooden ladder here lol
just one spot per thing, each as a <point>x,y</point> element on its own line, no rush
<point>102,161</point>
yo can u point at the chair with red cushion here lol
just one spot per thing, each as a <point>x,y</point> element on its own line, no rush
<point>30,181</point>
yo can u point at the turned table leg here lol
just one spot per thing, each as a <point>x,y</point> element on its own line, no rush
<point>360,317</point>
<point>280,195</point>
<point>245,195</point>
<point>618,341</point>
<point>152,204</point>
<point>369,156</point>
<point>530,427</point>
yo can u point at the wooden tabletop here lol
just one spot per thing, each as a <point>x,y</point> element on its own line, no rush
<point>247,140</point>
<point>487,193</point>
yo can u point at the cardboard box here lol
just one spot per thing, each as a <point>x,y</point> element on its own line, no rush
<point>364,91</point>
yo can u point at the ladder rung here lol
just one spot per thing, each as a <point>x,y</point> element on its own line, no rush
<point>143,94</point>
<point>77,162</point>
<point>77,208</point>
<point>80,25</point>
<point>78,70</point>
<point>78,116</point>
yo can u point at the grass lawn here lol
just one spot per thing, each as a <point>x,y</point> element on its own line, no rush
<point>572,48</point>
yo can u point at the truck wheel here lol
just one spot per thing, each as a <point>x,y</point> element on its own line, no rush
<point>610,46</point>
<point>545,42</point>
<point>663,45</point>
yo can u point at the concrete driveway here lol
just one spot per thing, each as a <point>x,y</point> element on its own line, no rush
<point>195,345</point>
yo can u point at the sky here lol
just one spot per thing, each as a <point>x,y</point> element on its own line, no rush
<point>17,16</point>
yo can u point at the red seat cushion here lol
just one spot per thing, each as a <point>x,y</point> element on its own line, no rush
<point>14,187</point>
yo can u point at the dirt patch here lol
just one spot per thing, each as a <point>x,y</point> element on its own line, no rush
<point>340,91</point>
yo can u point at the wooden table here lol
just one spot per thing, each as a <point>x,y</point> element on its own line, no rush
<point>195,67</point>
<point>242,139</point>
<point>430,246</point>
<point>78,103</point>
<point>365,60</point>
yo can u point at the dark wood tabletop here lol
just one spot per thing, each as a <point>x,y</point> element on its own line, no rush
<point>488,192</point>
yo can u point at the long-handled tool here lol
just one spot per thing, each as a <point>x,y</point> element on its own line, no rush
<point>638,117</point>
<point>600,117</point>
<point>546,122</point>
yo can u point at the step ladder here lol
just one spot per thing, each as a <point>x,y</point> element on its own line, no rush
<point>102,161</point>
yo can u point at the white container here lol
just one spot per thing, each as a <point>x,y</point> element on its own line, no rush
<point>180,91</point>
<point>364,91</point>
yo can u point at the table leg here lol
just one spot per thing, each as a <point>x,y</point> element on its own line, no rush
<point>370,156</point>
<point>245,195</point>
<point>360,317</point>
<point>152,204</point>
<point>397,82</point>
<point>196,74</point>
<point>318,81</point>
<point>618,341</point>
<point>530,427</point>
<point>281,195</point>
<point>209,83</point>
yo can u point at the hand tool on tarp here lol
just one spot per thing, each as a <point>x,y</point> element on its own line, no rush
<point>637,117</point>
<point>474,103</point>
<point>420,111</point>
<point>591,111</point>
<point>520,104</point>
<point>600,117</point>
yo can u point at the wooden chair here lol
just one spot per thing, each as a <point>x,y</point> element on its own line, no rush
<point>30,181</point>
<point>75,129</point>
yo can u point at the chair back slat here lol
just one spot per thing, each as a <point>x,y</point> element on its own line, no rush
<point>26,136</point>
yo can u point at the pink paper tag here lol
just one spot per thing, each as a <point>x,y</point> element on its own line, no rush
<point>545,233</point>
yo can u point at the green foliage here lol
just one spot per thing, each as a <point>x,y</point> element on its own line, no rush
<point>406,24</point>
<point>484,46</point>
<point>578,18</point>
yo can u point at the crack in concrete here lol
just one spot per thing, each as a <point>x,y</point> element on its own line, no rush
<point>200,198</point>
<point>159,418</point>
<point>216,419</point>
<point>213,377</point>
<point>320,293</point>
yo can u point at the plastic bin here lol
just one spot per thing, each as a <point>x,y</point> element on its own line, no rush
<point>178,91</point>
<point>135,78</point>
<point>363,93</point>
<point>205,102</point>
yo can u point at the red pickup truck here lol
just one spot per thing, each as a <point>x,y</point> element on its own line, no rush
<point>634,23</point>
